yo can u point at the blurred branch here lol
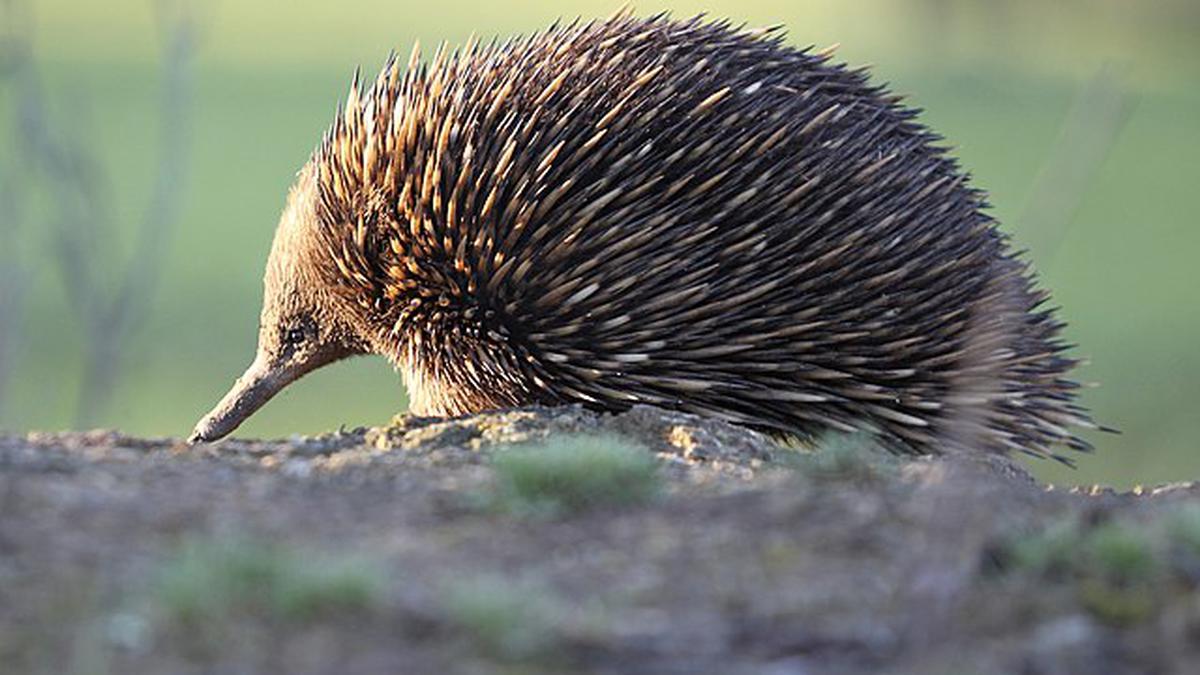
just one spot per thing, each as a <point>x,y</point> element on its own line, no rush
<point>13,274</point>
<point>13,279</point>
<point>1088,134</point>
<point>111,299</point>
<point>128,307</point>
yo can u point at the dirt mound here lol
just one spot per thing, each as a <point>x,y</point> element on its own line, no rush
<point>474,545</point>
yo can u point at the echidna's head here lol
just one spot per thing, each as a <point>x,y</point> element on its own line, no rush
<point>302,327</point>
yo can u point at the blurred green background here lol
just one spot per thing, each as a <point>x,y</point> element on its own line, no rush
<point>1008,84</point>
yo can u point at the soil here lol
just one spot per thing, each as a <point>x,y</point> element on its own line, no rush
<point>755,558</point>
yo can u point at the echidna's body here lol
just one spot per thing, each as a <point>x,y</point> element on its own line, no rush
<point>678,214</point>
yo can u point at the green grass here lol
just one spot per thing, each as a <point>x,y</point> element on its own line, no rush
<point>855,457</point>
<point>1052,552</point>
<point>1121,571</point>
<point>1123,553</point>
<point>1118,552</point>
<point>504,620</point>
<point>209,581</point>
<point>572,474</point>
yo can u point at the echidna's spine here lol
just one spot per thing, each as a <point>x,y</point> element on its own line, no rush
<point>686,215</point>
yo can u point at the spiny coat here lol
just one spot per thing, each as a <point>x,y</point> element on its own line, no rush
<point>672,213</point>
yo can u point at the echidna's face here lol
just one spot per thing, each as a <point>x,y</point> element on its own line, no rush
<point>300,328</point>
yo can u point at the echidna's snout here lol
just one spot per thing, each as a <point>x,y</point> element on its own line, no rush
<point>300,328</point>
<point>255,387</point>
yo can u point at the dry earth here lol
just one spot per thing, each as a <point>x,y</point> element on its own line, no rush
<point>388,550</point>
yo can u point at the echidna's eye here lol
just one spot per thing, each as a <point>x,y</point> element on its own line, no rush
<point>293,336</point>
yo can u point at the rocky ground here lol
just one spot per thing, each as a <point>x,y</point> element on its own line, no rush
<point>430,547</point>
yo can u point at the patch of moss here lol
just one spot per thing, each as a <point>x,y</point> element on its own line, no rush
<point>570,474</point>
<point>208,580</point>
<point>1123,553</point>
<point>1052,552</point>
<point>504,620</point>
<point>853,457</point>
<point>1116,567</point>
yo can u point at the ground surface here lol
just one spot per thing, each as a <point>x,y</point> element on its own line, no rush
<point>389,550</point>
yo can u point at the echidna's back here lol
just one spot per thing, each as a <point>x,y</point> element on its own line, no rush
<point>689,216</point>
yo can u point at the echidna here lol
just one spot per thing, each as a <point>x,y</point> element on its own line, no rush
<point>676,213</point>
